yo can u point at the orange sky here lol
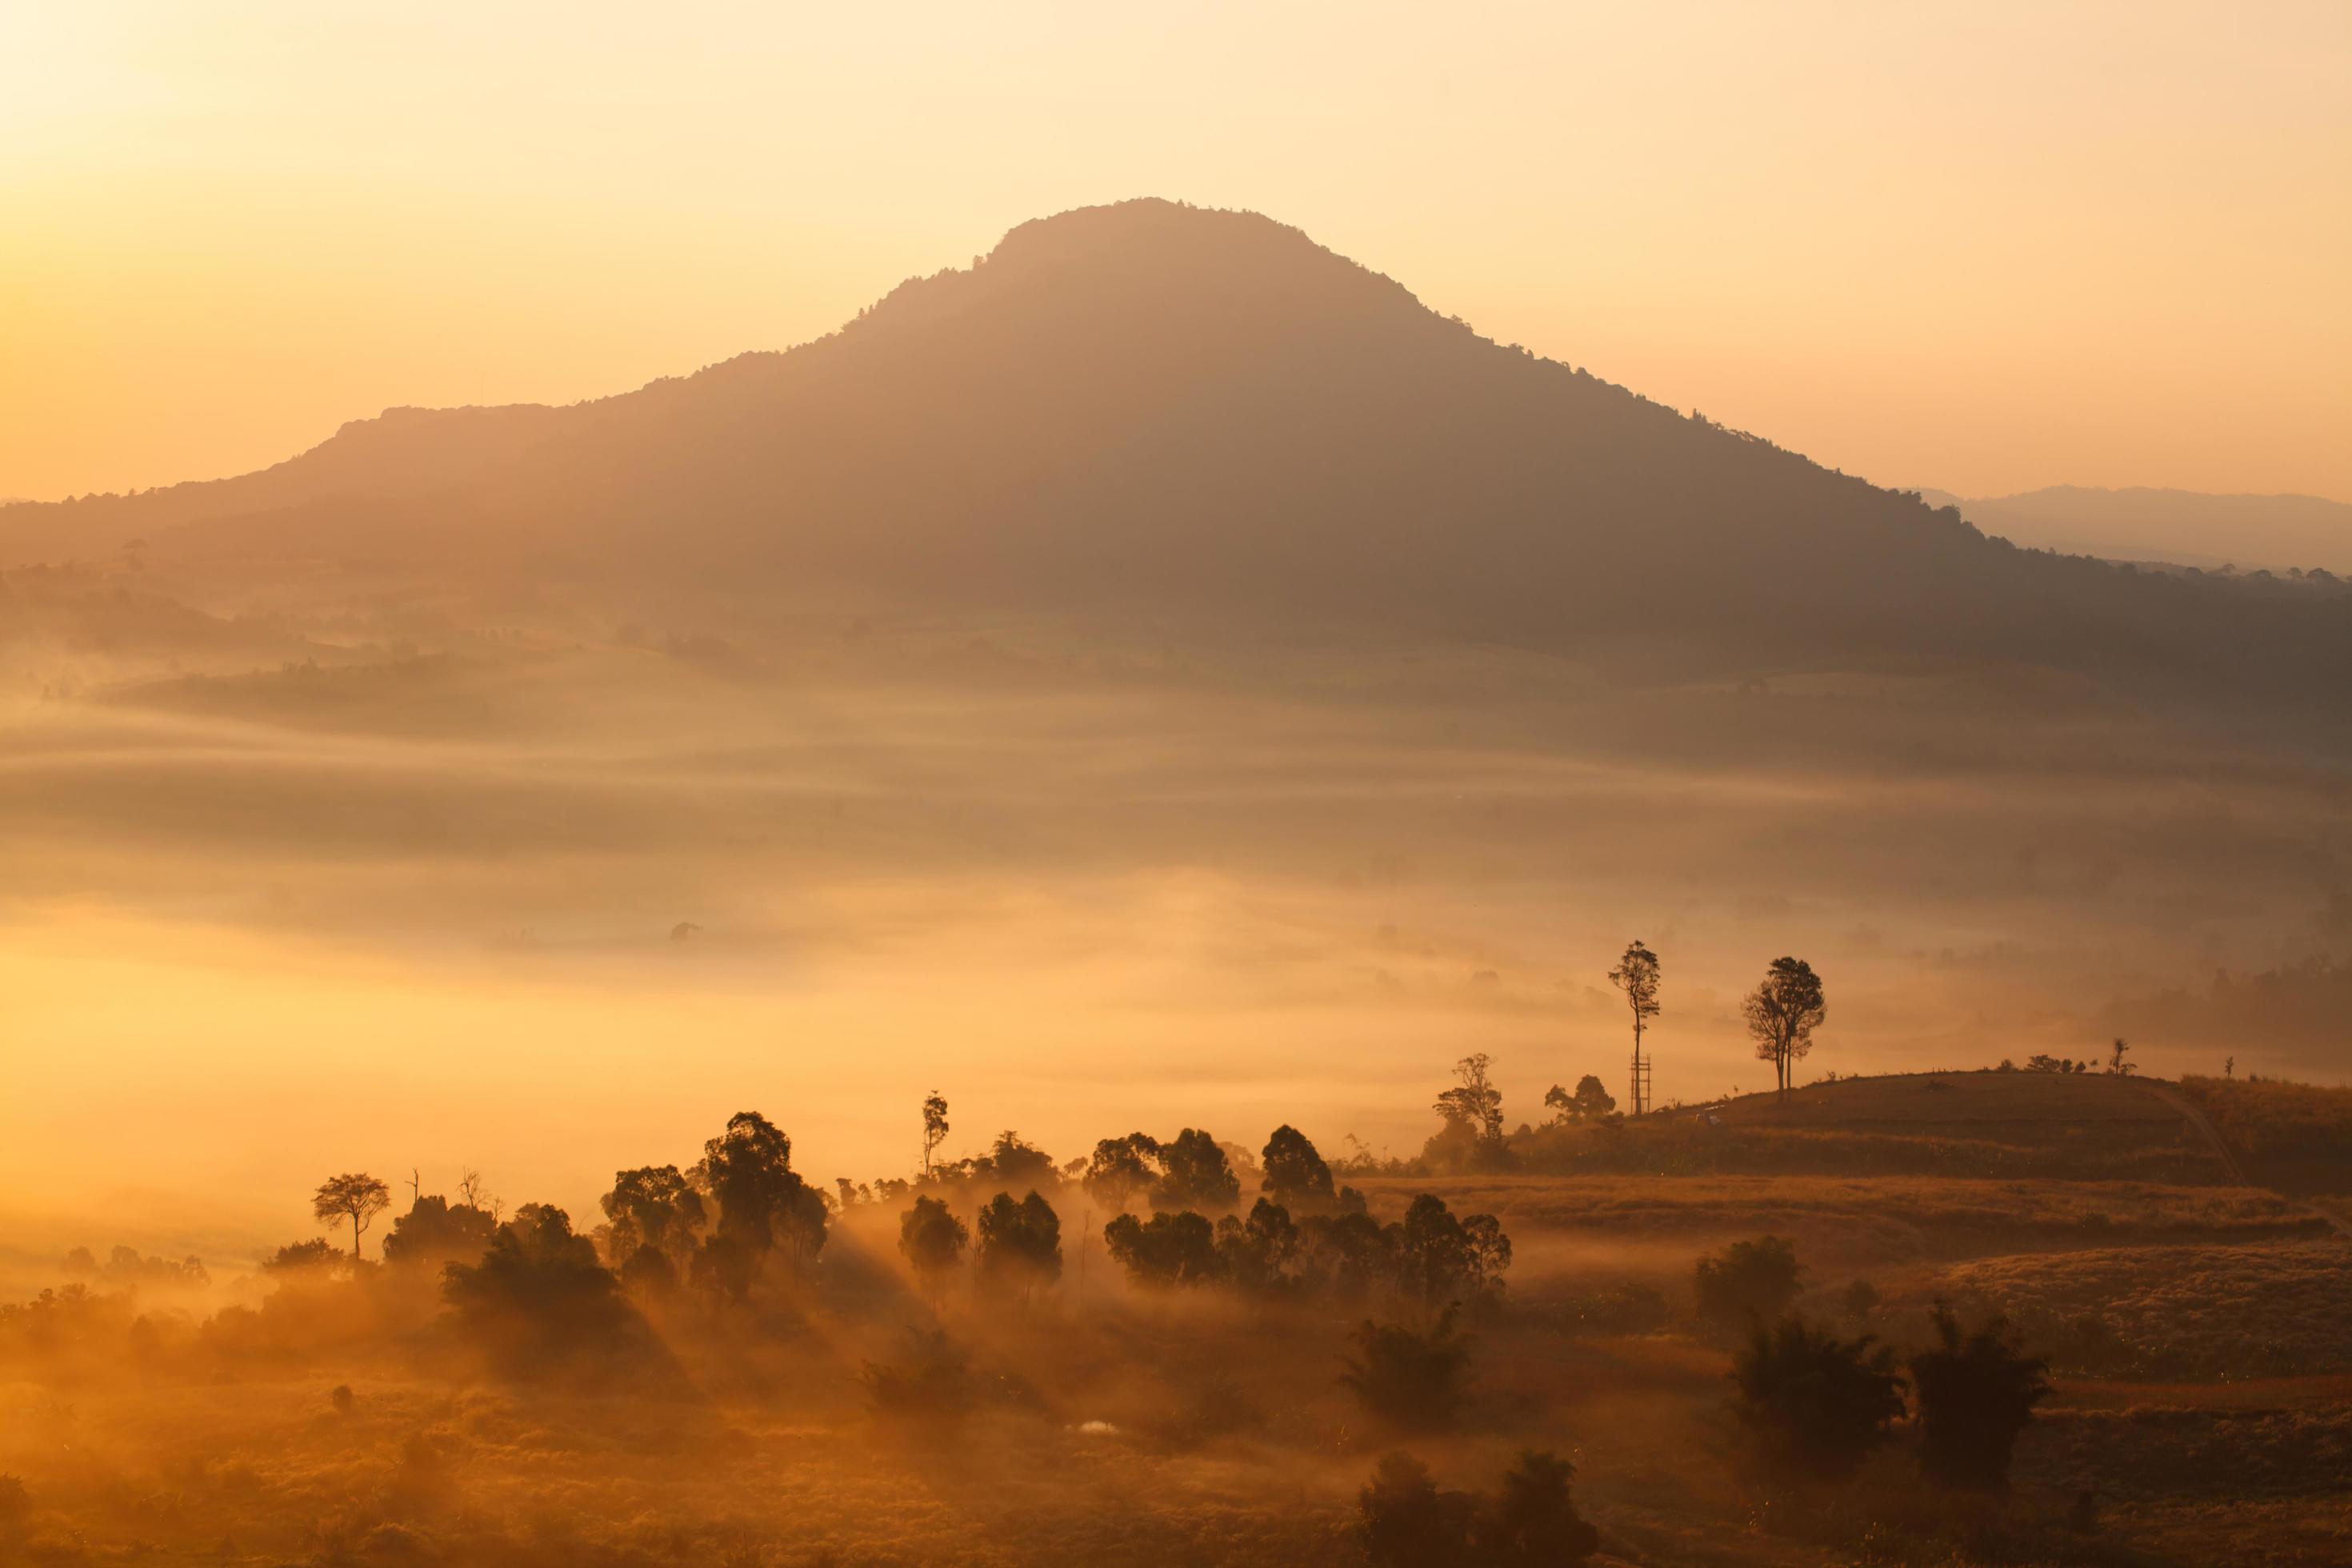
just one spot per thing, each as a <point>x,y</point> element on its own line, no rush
<point>1979,247</point>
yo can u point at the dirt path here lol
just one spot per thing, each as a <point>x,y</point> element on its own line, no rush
<point>2196,1117</point>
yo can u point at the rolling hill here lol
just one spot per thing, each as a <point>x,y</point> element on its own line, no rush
<point>1154,407</point>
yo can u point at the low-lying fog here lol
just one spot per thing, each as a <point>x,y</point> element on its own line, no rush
<point>554,899</point>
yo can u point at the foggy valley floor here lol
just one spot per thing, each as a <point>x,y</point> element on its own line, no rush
<point>2199,1356</point>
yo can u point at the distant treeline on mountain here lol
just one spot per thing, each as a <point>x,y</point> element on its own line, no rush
<point>1151,407</point>
<point>2279,534</point>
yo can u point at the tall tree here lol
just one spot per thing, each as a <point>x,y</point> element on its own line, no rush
<point>933,1240</point>
<point>1120,1169</point>
<point>1636,975</point>
<point>1198,1175</point>
<point>762,1201</point>
<point>934,1126</point>
<point>1473,1100</point>
<point>1782,1012</point>
<point>1020,1243</point>
<point>355,1196</point>
<point>1296,1174</point>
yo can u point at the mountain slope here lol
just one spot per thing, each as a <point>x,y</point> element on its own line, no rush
<point>1153,406</point>
<point>2180,526</point>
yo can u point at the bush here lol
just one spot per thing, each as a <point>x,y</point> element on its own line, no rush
<point>1409,1377</point>
<point>1748,1283</point>
<point>1406,1523</point>
<point>932,1388</point>
<point>1976,1394</point>
<point>1815,1404</point>
<point>1533,1520</point>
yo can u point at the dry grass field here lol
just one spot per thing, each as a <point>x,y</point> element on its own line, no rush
<point>2203,1414</point>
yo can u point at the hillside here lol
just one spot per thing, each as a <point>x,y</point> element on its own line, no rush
<point>2209,532</point>
<point>1205,415</point>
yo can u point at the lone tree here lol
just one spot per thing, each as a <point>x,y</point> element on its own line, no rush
<point>353,1196</point>
<point>1295,1176</point>
<point>1782,1012</point>
<point>1474,1102</point>
<point>2115,1063</point>
<point>1976,1393</point>
<point>1636,975</point>
<point>934,1126</point>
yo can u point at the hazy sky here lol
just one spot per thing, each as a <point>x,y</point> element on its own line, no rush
<point>1979,247</point>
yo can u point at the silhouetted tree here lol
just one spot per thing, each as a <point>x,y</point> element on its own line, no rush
<point>1195,1176</point>
<point>1020,1243</point>
<point>1815,1404</point>
<point>933,1241</point>
<point>353,1196</point>
<point>436,1231</point>
<point>934,1126</point>
<point>316,1256</point>
<point>2115,1063</point>
<point>539,1298</point>
<point>1748,1282</point>
<point>1439,1259</point>
<point>1591,1103</point>
<point>1474,1102</point>
<point>1408,1376</point>
<point>1406,1523</point>
<point>1343,1254</point>
<point>1533,1520</point>
<point>1165,1251</point>
<point>763,1204</point>
<point>1782,1012</point>
<point>1018,1163</point>
<point>1636,975</point>
<point>655,1206</point>
<point>1257,1255</point>
<point>724,1268</point>
<point>1121,1169</point>
<point>1295,1176</point>
<point>1976,1393</point>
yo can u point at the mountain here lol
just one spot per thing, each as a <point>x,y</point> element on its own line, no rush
<point>1151,407</point>
<point>2184,527</point>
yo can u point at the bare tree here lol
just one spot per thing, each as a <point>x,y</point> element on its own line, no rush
<point>355,1196</point>
<point>1636,975</point>
<point>473,1191</point>
<point>2115,1063</point>
<point>934,1126</point>
<point>1782,1012</point>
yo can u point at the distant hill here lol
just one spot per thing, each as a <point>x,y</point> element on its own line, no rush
<point>2208,532</point>
<point>1153,407</point>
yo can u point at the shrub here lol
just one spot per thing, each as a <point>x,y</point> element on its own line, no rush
<point>1533,1520</point>
<point>1410,1377</point>
<point>1748,1283</point>
<point>1976,1394</point>
<point>1815,1404</point>
<point>1406,1523</point>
